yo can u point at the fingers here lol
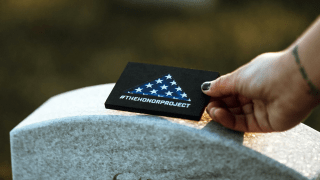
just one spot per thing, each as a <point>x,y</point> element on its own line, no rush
<point>243,122</point>
<point>233,110</point>
<point>221,87</point>
<point>250,117</point>
<point>261,113</point>
<point>236,101</point>
<point>229,120</point>
<point>235,104</point>
<point>246,109</point>
<point>223,117</point>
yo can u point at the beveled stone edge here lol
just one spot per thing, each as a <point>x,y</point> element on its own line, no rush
<point>154,120</point>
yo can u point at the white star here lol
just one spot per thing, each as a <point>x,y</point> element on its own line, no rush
<point>160,96</point>
<point>175,98</point>
<point>184,95</point>
<point>169,76</point>
<point>163,87</point>
<point>178,88</point>
<point>154,91</point>
<point>139,89</point>
<point>149,85</point>
<point>169,93</point>
<point>173,83</point>
<point>144,94</point>
<point>159,81</point>
<point>189,99</point>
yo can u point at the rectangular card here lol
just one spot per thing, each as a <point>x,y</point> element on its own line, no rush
<point>161,90</point>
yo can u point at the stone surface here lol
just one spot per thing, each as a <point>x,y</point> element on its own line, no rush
<point>72,136</point>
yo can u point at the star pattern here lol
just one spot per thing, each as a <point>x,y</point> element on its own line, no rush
<point>168,76</point>
<point>138,89</point>
<point>149,85</point>
<point>184,95</point>
<point>154,91</point>
<point>159,81</point>
<point>169,93</point>
<point>173,83</point>
<point>164,86</point>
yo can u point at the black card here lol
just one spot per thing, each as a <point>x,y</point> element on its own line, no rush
<point>161,90</point>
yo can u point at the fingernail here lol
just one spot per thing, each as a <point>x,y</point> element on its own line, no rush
<point>205,86</point>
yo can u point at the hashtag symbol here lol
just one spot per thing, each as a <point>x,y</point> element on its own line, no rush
<point>121,97</point>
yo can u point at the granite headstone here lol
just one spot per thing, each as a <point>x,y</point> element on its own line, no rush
<point>72,136</point>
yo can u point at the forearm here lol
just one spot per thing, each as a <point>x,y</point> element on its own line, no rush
<point>306,52</point>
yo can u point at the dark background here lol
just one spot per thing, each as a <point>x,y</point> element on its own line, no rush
<point>49,47</point>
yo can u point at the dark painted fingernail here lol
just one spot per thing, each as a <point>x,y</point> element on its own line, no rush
<point>205,86</point>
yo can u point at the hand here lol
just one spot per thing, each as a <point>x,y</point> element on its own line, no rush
<point>267,94</point>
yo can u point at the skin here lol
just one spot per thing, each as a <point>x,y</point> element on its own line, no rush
<point>269,94</point>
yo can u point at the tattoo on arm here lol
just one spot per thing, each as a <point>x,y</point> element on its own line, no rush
<point>313,89</point>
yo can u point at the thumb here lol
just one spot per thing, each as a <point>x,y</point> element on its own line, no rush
<point>221,87</point>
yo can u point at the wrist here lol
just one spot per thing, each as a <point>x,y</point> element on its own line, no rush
<point>300,81</point>
<point>307,56</point>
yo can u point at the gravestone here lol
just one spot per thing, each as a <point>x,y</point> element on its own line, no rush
<point>72,136</point>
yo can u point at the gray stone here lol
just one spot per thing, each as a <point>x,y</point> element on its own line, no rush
<point>72,136</point>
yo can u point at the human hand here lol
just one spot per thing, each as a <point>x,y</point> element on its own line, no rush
<point>267,94</point>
